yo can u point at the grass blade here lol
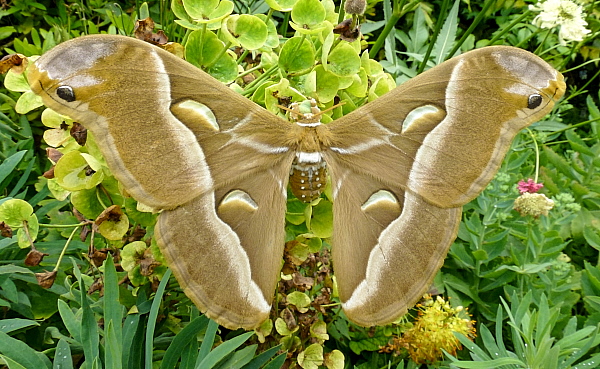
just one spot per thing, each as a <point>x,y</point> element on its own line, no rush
<point>152,318</point>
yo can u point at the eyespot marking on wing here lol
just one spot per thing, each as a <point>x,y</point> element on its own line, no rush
<point>66,93</point>
<point>534,101</point>
<point>201,112</point>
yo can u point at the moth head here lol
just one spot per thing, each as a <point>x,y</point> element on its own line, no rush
<point>64,77</point>
<point>535,84</point>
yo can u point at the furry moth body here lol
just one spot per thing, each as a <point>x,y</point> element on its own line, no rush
<point>218,165</point>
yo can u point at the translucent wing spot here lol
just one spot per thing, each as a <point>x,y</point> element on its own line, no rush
<point>381,198</point>
<point>534,101</point>
<point>201,112</point>
<point>66,93</point>
<point>309,157</point>
<point>417,114</point>
<point>238,200</point>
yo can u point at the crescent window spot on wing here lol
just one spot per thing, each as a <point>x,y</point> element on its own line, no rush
<point>200,112</point>
<point>417,114</point>
<point>381,198</point>
<point>534,101</point>
<point>66,93</point>
<point>238,200</point>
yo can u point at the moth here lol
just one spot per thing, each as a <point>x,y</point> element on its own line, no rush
<point>218,166</point>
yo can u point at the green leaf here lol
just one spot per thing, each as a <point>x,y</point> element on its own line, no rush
<point>281,5</point>
<point>16,82</point>
<point>311,357</point>
<point>19,352</point>
<point>113,316</point>
<point>592,237</point>
<point>62,356</point>
<point>207,342</point>
<point>343,60</point>
<point>249,31</point>
<point>262,358</point>
<point>11,325</point>
<point>277,363</point>
<point>207,11</point>
<point>238,359</point>
<point>300,300</point>
<point>297,56</point>
<point>184,337</point>
<point>17,213</point>
<point>27,102</point>
<point>9,164</point>
<point>69,320</point>
<point>334,360</point>
<point>75,171</point>
<point>559,162</point>
<point>223,350</point>
<point>447,35</point>
<point>11,363</point>
<point>114,229</point>
<point>327,84</point>
<point>322,219</point>
<point>152,318</point>
<point>308,13</point>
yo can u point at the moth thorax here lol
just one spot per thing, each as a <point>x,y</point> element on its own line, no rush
<point>308,177</point>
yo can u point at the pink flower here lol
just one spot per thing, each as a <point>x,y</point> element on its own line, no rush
<point>529,187</point>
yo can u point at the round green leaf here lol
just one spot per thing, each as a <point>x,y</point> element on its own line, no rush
<point>86,202</point>
<point>208,11</point>
<point>16,82</point>
<point>321,224</point>
<point>300,300</point>
<point>334,360</point>
<point>359,84</point>
<point>18,213</point>
<point>75,171</point>
<point>282,328</point>
<point>319,330</point>
<point>225,69</point>
<point>295,211</point>
<point>145,219</point>
<point>202,48</point>
<point>14,212</point>
<point>327,84</point>
<point>246,30</point>
<point>205,50</point>
<point>281,5</point>
<point>272,40</point>
<point>131,254</point>
<point>297,56</point>
<point>179,10</point>
<point>27,102</point>
<point>381,86</point>
<point>312,357</point>
<point>308,13</point>
<point>114,229</point>
<point>343,60</point>
<point>57,191</point>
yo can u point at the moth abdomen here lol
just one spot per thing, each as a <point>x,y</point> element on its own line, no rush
<point>308,178</point>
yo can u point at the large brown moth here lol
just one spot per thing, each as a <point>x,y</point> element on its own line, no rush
<point>218,166</point>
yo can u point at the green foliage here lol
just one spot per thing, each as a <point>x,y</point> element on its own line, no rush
<point>547,267</point>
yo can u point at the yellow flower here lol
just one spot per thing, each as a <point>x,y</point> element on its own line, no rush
<point>433,331</point>
<point>534,204</point>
